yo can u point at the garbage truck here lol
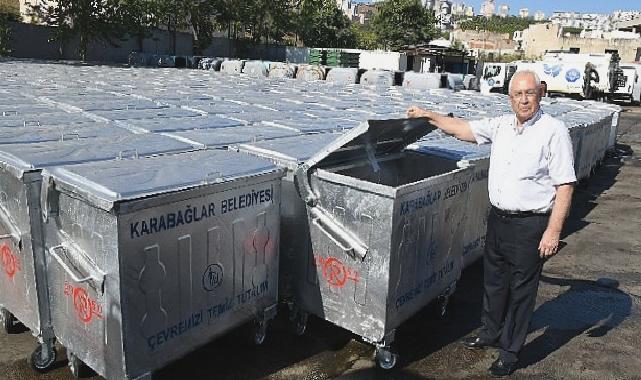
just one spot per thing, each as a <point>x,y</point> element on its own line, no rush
<point>586,76</point>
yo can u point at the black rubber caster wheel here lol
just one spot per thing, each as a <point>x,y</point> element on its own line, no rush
<point>260,332</point>
<point>385,358</point>
<point>43,358</point>
<point>8,322</point>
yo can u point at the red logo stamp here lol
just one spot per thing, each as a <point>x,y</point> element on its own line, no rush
<point>10,262</point>
<point>335,272</point>
<point>86,307</point>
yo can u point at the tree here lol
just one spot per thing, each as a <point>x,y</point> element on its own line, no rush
<point>8,12</point>
<point>497,24</point>
<point>89,20</point>
<point>365,37</point>
<point>322,24</point>
<point>403,22</point>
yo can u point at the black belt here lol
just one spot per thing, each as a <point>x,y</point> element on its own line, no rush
<point>517,214</point>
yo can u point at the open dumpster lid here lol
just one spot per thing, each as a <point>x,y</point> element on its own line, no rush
<point>105,183</point>
<point>370,139</point>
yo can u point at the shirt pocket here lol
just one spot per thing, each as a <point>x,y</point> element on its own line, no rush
<point>531,164</point>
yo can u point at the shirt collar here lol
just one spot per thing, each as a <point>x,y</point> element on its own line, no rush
<point>537,115</point>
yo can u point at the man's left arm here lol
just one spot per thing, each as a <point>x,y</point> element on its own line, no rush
<point>549,244</point>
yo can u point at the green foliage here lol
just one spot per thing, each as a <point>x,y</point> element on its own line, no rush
<point>322,24</point>
<point>90,20</point>
<point>8,13</point>
<point>365,37</point>
<point>403,22</point>
<point>496,24</point>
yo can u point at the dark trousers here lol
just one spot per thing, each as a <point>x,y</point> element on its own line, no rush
<point>512,268</point>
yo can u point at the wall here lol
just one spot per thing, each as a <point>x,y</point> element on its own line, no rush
<point>539,38</point>
<point>225,47</point>
<point>32,41</point>
<point>482,41</point>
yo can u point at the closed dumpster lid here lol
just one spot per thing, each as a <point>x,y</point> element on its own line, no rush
<point>31,134</point>
<point>222,137</point>
<point>105,183</point>
<point>21,158</point>
<point>179,123</point>
<point>290,152</point>
<point>373,138</point>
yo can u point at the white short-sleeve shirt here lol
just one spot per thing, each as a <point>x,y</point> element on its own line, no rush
<point>526,163</point>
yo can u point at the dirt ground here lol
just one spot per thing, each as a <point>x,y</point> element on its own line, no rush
<point>586,326</point>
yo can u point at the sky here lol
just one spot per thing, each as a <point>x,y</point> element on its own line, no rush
<point>549,6</point>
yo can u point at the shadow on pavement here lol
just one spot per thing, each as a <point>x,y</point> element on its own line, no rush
<point>587,307</point>
<point>587,191</point>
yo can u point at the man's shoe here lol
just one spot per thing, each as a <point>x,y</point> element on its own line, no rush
<point>501,369</point>
<point>475,343</point>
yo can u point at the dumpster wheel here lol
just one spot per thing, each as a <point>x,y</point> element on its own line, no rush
<point>77,367</point>
<point>440,307</point>
<point>385,358</point>
<point>260,332</point>
<point>301,323</point>
<point>43,357</point>
<point>8,322</point>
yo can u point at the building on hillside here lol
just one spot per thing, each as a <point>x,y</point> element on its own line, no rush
<point>458,9</point>
<point>469,11</point>
<point>29,9</point>
<point>540,38</point>
<point>539,16</point>
<point>365,12</point>
<point>488,8</point>
<point>348,7</point>
<point>504,10</point>
<point>591,21</point>
<point>444,15</point>
<point>483,43</point>
<point>524,13</point>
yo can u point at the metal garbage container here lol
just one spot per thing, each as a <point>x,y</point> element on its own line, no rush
<point>386,229</point>
<point>288,153</point>
<point>23,288</point>
<point>149,259</point>
<point>478,206</point>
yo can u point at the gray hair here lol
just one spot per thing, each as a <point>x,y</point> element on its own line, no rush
<point>536,77</point>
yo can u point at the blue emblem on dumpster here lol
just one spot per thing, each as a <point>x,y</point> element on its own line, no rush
<point>572,75</point>
<point>490,82</point>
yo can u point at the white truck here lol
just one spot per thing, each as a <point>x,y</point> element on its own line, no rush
<point>631,91</point>
<point>588,76</point>
<point>496,76</point>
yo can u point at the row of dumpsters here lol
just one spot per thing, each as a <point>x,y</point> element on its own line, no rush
<point>146,212</point>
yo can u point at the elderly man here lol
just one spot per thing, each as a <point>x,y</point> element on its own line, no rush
<point>531,180</point>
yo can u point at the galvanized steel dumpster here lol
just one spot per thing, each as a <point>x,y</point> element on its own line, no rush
<point>289,153</point>
<point>149,259</point>
<point>386,229</point>
<point>478,206</point>
<point>23,289</point>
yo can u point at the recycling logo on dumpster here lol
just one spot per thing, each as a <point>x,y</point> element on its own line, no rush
<point>335,272</point>
<point>86,308</point>
<point>213,277</point>
<point>10,261</point>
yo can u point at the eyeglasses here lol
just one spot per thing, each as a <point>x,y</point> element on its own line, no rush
<point>530,94</point>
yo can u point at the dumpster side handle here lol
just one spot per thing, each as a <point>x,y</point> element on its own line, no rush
<point>96,278</point>
<point>338,235</point>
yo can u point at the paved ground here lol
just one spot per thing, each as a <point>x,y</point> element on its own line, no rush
<point>586,325</point>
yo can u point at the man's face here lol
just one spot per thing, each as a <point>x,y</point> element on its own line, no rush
<point>525,96</point>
